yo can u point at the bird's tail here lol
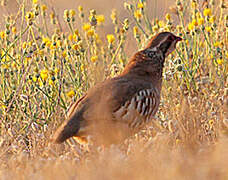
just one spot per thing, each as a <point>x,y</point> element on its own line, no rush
<point>69,128</point>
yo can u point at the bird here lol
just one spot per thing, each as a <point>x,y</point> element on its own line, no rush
<point>121,106</point>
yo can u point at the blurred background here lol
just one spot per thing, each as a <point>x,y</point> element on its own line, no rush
<point>156,8</point>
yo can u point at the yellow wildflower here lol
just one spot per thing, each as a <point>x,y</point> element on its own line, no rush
<point>155,28</point>
<point>75,37</point>
<point>140,5</point>
<point>56,70</point>
<point>35,1</point>
<point>187,42</point>
<point>53,46</point>
<point>217,44</point>
<point>90,33</point>
<point>2,34</point>
<point>59,43</point>
<point>29,16</point>
<point>220,61</point>
<point>211,122</point>
<point>76,32</point>
<point>80,8</point>
<point>86,27</point>
<point>43,7</point>
<point>212,19</point>
<point>51,82</point>
<point>194,22</point>
<point>194,5</point>
<point>110,38</point>
<point>167,17</point>
<point>202,44</point>
<point>72,12</point>
<point>138,14</point>
<point>190,26</point>
<point>14,65</point>
<point>14,30</point>
<point>201,21</point>
<point>121,61</point>
<point>28,58</point>
<point>98,40</point>
<point>82,67</point>
<point>44,74</point>
<point>45,40</point>
<point>161,24</point>
<point>70,93</point>
<point>75,47</point>
<point>70,37</point>
<point>64,54</point>
<point>135,31</point>
<point>178,141</point>
<point>100,19</point>
<point>94,58</point>
<point>207,12</point>
<point>198,14</point>
<point>34,78</point>
<point>41,84</point>
<point>227,55</point>
<point>3,107</point>
<point>5,66</point>
<point>52,15</point>
<point>208,29</point>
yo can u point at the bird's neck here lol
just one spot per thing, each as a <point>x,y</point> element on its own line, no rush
<point>146,70</point>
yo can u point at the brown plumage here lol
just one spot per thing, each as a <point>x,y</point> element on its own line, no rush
<point>118,107</point>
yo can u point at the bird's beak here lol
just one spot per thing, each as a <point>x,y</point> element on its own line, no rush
<point>178,38</point>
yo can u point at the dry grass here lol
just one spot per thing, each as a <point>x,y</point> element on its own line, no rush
<point>48,62</point>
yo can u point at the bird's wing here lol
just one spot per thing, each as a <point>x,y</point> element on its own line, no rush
<point>134,101</point>
<point>139,109</point>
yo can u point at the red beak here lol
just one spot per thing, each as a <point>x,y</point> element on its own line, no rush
<point>178,38</point>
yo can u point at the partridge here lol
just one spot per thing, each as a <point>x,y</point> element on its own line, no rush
<point>121,106</point>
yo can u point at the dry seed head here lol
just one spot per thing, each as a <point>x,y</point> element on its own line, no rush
<point>128,6</point>
<point>114,16</point>
<point>66,14</point>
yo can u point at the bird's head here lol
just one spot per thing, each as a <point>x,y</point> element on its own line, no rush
<point>150,61</point>
<point>165,42</point>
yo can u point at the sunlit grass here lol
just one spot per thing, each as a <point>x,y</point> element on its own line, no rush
<point>44,67</point>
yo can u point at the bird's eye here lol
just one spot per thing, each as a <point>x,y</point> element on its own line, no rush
<point>150,54</point>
